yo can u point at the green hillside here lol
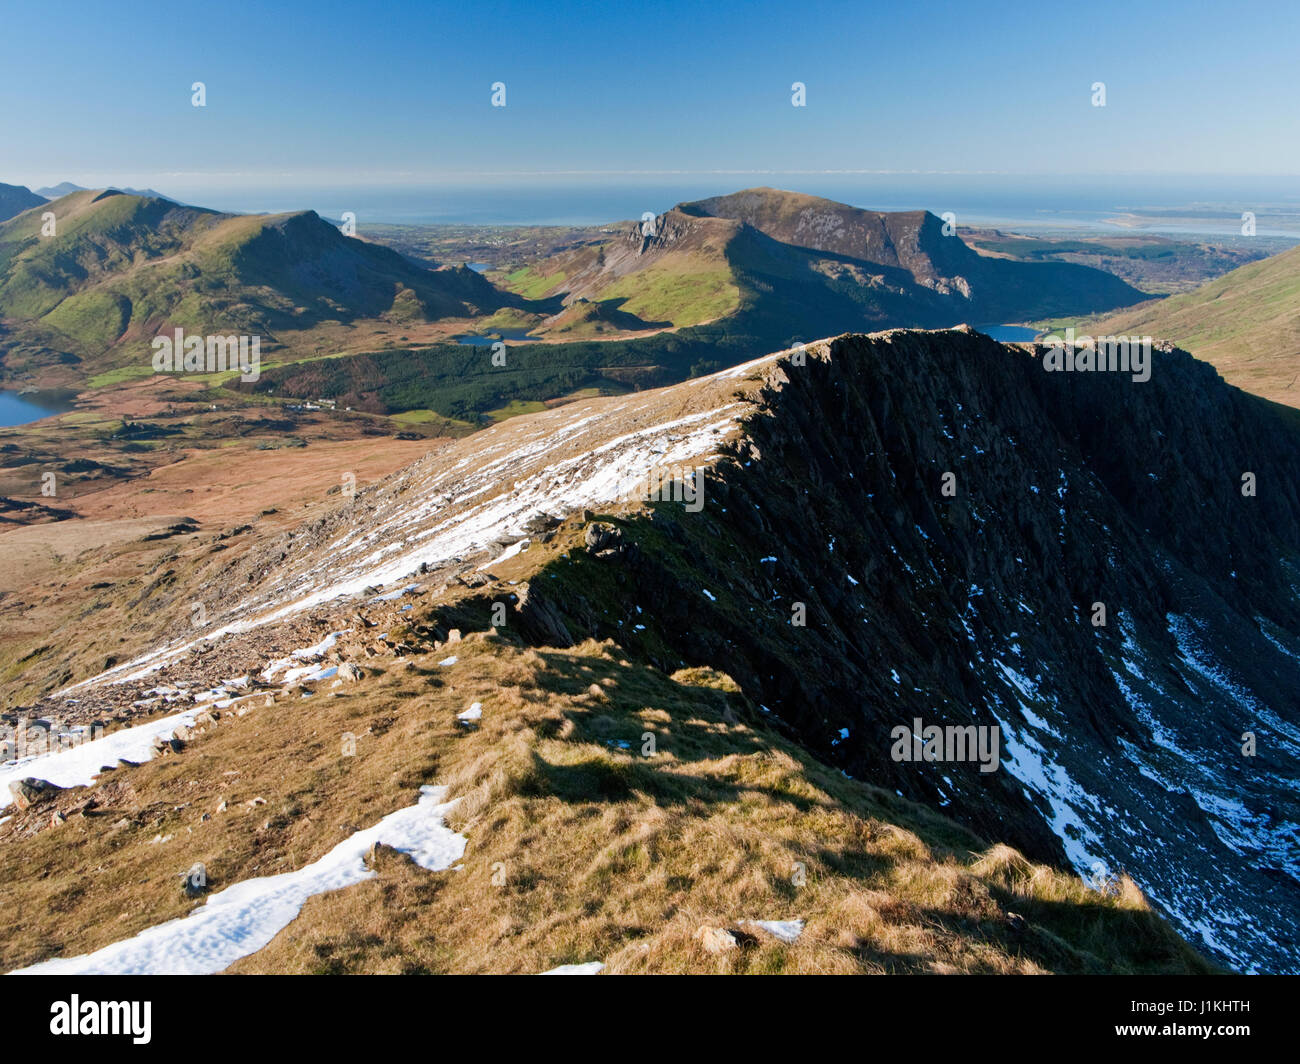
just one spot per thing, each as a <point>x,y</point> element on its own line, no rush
<point>121,269</point>
<point>774,254</point>
<point>1247,323</point>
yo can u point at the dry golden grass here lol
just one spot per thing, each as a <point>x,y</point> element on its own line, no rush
<point>579,848</point>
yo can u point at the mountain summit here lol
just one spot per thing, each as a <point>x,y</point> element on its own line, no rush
<point>919,244</point>
<point>771,266</point>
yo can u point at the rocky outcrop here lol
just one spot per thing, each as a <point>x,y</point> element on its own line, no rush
<point>29,792</point>
<point>930,527</point>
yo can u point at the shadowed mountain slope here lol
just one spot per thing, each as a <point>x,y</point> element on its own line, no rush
<point>14,199</point>
<point>778,266</point>
<point>986,289</point>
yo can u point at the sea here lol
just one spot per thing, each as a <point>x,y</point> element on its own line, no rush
<point>1045,204</point>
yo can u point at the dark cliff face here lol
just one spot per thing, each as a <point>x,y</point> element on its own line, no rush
<point>1121,742</point>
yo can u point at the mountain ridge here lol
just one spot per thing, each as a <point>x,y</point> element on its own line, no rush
<point>14,199</point>
<point>759,254</point>
<point>919,243</point>
<point>823,472</point>
<point>63,188</point>
<point>123,268</point>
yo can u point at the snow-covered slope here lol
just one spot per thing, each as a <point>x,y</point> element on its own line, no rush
<point>473,501</point>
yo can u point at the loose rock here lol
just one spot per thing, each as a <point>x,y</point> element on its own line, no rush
<point>31,791</point>
<point>716,939</point>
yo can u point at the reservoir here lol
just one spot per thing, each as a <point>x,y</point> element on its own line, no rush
<point>1008,334</point>
<point>16,409</point>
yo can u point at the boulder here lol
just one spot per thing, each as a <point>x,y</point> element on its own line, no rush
<point>601,537</point>
<point>168,745</point>
<point>195,881</point>
<point>31,791</point>
<point>716,939</point>
<point>540,522</point>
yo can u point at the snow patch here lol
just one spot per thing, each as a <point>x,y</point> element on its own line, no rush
<point>245,917</point>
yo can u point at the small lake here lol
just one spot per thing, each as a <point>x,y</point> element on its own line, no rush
<point>1008,334</point>
<point>518,336</point>
<point>18,409</point>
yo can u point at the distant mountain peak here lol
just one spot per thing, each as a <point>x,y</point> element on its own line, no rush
<point>63,188</point>
<point>66,188</point>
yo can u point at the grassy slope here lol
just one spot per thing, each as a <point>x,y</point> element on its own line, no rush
<point>680,288</point>
<point>535,281</point>
<point>1247,323</point>
<point>580,846</point>
<point>578,849</point>
<point>688,292</point>
<point>121,268</point>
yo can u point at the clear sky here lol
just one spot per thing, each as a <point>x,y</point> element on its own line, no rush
<point>399,92</point>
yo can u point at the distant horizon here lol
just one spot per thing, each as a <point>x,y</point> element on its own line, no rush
<point>1190,205</point>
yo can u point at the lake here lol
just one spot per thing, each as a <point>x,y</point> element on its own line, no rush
<point>18,409</point>
<point>1008,334</point>
<point>516,336</point>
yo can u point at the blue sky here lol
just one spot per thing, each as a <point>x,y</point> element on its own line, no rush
<point>386,92</point>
